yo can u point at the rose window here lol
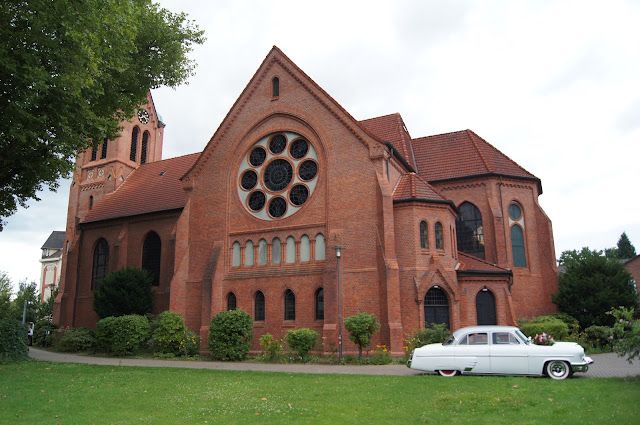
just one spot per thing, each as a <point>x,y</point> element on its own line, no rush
<point>278,175</point>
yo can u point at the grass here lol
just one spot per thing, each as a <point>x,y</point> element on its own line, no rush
<point>52,393</point>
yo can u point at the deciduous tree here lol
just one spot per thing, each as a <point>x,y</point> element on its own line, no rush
<point>69,73</point>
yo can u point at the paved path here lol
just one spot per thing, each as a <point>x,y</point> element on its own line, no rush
<point>606,365</point>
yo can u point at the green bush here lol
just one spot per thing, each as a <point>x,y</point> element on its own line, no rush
<point>361,327</point>
<point>380,355</point>
<point>73,340</point>
<point>122,335</point>
<point>434,333</point>
<point>230,335</point>
<point>171,336</point>
<point>271,347</point>
<point>599,336</point>
<point>301,341</point>
<point>13,338</point>
<point>551,325</point>
<point>123,292</point>
<point>43,333</point>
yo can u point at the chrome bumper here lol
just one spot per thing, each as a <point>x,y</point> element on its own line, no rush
<point>582,367</point>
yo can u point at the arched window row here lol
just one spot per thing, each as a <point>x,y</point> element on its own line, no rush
<point>288,305</point>
<point>438,235</point>
<point>277,251</point>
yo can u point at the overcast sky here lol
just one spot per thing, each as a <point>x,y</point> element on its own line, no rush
<point>555,85</point>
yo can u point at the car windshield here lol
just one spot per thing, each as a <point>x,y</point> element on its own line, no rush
<point>522,336</point>
<point>449,340</point>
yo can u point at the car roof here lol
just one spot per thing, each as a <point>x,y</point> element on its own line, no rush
<point>484,328</point>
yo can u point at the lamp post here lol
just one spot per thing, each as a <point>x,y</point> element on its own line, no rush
<point>338,256</point>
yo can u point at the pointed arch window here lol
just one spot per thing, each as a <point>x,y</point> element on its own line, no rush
<point>289,305</point>
<point>275,87</point>
<point>439,236</point>
<point>486,307</point>
<point>470,230</point>
<point>235,256</point>
<point>231,301</point>
<point>259,307</point>
<point>276,251</point>
<point>134,143</point>
<point>319,304</point>
<point>151,252</point>
<point>144,147</point>
<point>517,246</point>
<point>436,307</point>
<point>320,247</point>
<point>100,263</point>
<point>103,152</point>
<point>424,235</point>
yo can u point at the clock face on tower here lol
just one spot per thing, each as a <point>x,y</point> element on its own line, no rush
<point>143,116</point>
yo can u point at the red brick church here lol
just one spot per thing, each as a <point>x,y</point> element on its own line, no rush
<point>292,199</point>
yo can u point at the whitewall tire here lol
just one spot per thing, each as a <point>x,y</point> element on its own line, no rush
<point>558,369</point>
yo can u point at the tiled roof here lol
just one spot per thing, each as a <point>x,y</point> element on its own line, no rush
<point>391,128</point>
<point>55,240</point>
<point>411,186</point>
<point>462,154</point>
<point>469,263</point>
<point>153,187</point>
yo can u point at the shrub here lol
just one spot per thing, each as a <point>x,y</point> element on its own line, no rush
<point>13,338</point>
<point>301,341</point>
<point>122,335</point>
<point>361,327</point>
<point>171,336</point>
<point>380,355</point>
<point>551,325</point>
<point>271,347</point>
<point>43,333</point>
<point>123,292</point>
<point>74,340</point>
<point>230,335</point>
<point>599,336</point>
<point>434,333</point>
<point>626,333</point>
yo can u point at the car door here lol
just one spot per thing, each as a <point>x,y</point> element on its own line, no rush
<point>473,353</point>
<point>508,354</point>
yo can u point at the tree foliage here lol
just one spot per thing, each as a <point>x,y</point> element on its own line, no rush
<point>5,295</point>
<point>626,333</point>
<point>70,73</point>
<point>625,248</point>
<point>592,285</point>
<point>361,327</point>
<point>126,291</point>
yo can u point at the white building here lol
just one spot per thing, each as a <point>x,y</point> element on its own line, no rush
<point>51,263</point>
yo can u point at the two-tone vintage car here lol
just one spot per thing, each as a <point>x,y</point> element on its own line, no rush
<point>499,350</point>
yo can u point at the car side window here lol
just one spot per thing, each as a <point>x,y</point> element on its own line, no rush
<point>504,338</point>
<point>463,341</point>
<point>478,339</point>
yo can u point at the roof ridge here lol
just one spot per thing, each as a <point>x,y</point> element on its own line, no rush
<point>501,153</point>
<point>381,116</point>
<point>470,134</point>
<point>464,254</point>
<point>395,188</point>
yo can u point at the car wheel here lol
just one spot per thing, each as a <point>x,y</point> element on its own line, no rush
<point>558,369</point>
<point>448,373</point>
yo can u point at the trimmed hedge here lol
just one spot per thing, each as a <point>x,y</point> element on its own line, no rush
<point>230,335</point>
<point>73,340</point>
<point>432,334</point>
<point>13,338</point>
<point>551,325</point>
<point>171,336</point>
<point>301,341</point>
<point>123,292</point>
<point>122,335</point>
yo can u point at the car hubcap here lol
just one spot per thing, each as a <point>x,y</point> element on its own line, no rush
<point>558,369</point>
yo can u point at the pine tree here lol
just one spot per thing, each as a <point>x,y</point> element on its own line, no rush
<point>625,248</point>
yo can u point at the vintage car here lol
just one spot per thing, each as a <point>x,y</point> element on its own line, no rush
<point>499,350</point>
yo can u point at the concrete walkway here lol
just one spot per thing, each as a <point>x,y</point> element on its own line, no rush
<point>605,365</point>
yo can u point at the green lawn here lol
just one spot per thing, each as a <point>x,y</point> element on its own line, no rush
<point>51,393</point>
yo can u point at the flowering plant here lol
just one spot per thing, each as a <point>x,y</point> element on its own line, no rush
<point>543,339</point>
